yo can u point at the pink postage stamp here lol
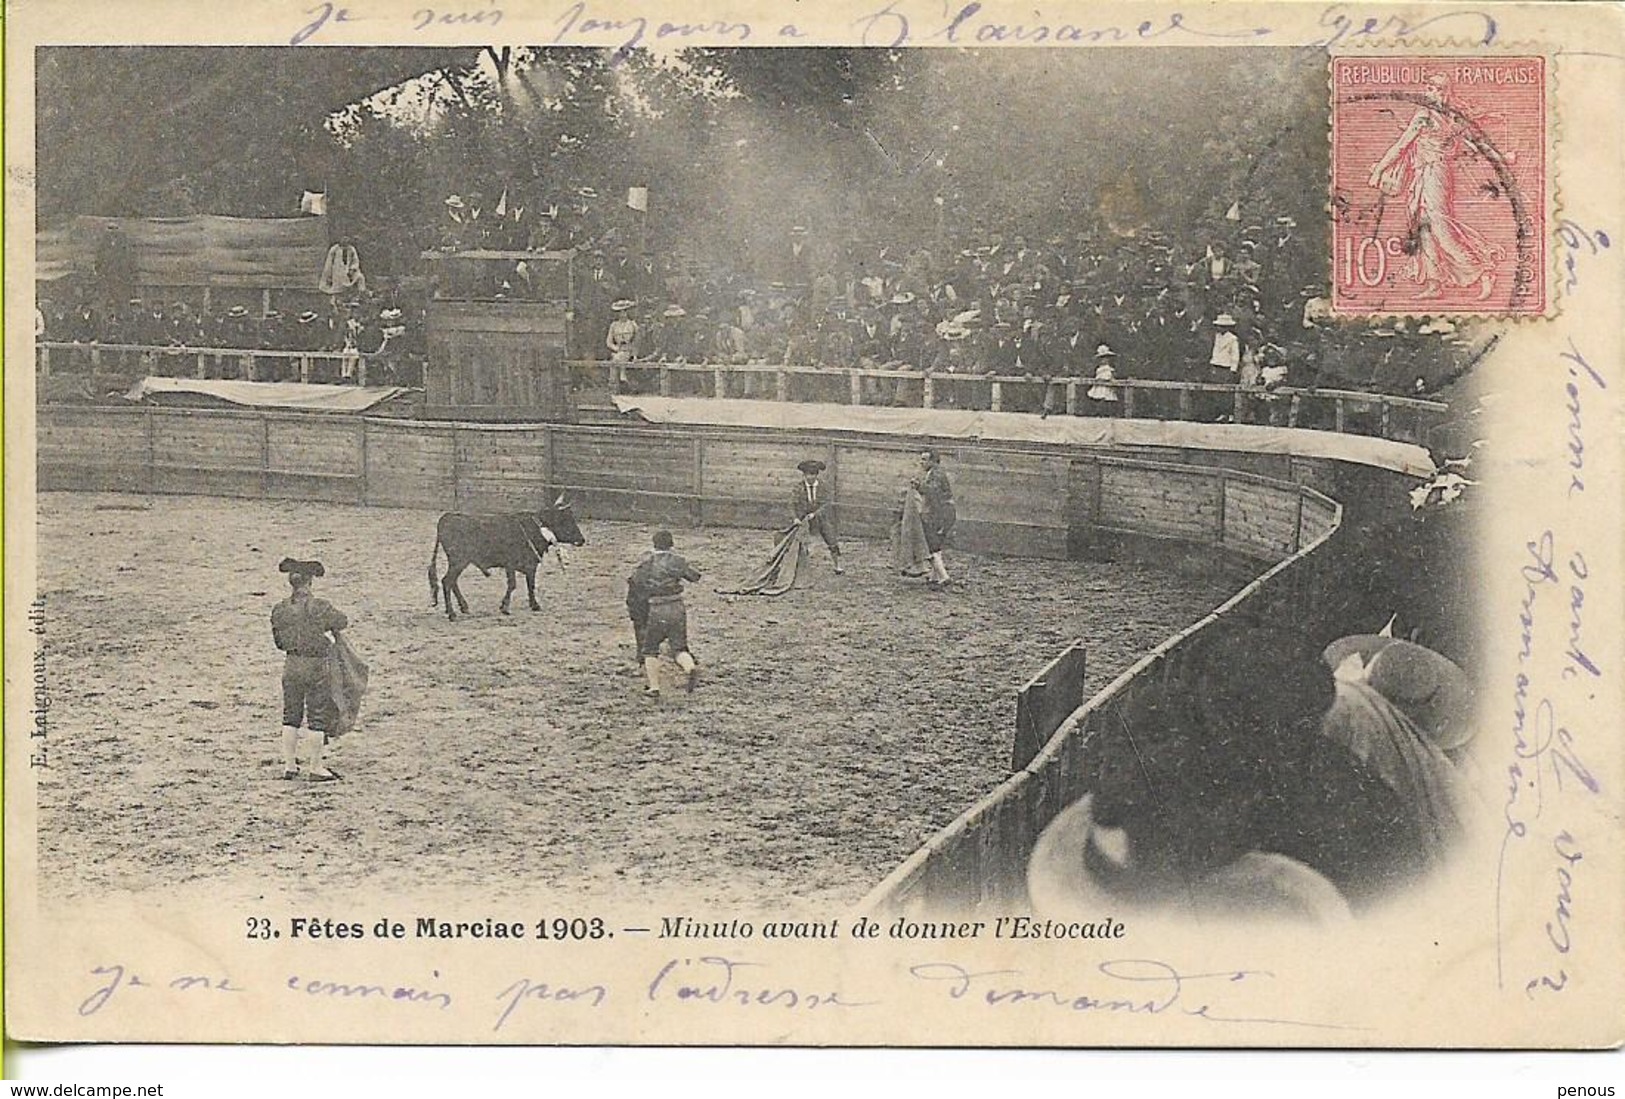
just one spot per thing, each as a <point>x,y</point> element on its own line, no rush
<point>1439,180</point>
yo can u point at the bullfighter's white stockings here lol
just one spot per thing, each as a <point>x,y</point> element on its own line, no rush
<point>290,747</point>
<point>314,744</point>
<point>939,571</point>
<point>651,669</point>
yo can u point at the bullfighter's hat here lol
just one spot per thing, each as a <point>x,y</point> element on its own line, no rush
<point>294,567</point>
<point>811,466</point>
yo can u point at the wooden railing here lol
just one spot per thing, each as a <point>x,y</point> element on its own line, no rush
<point>1407,419</point>
<point>55,356</point>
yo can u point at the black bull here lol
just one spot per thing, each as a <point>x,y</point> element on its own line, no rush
<point>513,542</point>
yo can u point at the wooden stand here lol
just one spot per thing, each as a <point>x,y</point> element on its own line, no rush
<point>501,359</point>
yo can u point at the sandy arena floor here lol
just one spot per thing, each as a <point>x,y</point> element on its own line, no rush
<point>834,730</point>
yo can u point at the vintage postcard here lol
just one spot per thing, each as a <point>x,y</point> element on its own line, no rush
<point>877,524</point>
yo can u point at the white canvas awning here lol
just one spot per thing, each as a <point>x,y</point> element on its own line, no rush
<point>288,395</point>
<point>1407,458</point>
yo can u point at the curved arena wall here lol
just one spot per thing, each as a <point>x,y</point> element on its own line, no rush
<point>981,858</point>
<point>1020,498</point>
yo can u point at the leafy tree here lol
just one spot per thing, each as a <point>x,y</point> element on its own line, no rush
<point>145,131</point>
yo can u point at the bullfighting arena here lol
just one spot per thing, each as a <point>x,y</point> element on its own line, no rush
<point>835,729</point>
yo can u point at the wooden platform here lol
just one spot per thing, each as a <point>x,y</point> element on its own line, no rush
<point>497,362</point>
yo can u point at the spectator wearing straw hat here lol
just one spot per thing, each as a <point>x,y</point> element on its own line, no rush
<point>1225,358</point>
<point>312,331</point>
<point>622,335</point>
<point>1104,372</point>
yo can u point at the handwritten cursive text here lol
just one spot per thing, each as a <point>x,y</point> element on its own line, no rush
<point>1135,986</point>
<point>526,989</point>
<point>115,978</point>
<point>723,982</point>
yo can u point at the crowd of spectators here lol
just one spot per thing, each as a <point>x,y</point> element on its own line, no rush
<point>1237,302</point>
<point>388,336</point>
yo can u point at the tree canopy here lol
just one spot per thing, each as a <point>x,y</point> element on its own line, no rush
<point>734,145</point>
<point>132,131</point>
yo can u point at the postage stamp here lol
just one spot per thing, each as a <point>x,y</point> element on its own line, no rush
<point>1439,184</point>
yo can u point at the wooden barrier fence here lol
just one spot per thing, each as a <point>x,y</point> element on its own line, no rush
<point>243,364</point>
<point>1038,500</point>
<point>1406,419</point>
<point>980,859</point>
<point>1045,701</point>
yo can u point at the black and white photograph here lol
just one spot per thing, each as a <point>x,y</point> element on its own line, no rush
<point>645,537</point>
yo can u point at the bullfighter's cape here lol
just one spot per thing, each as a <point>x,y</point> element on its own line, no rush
<point>347,682</point>
<point>778,575</point>
<point>909,551</point>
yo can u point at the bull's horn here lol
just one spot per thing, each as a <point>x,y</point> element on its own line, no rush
<point>561,502</point>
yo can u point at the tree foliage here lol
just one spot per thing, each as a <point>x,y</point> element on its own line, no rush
<point>154,131</point>
<point>736,145</point>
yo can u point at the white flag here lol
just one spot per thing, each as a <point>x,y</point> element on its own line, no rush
<point>638,198</point>
<point>313,202</point>
<point>502,204</point>
<point>1234,213</point>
